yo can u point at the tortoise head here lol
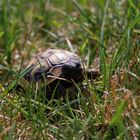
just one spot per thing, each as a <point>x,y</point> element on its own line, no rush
<point>72,70</point>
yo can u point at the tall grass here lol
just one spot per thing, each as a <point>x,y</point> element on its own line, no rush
<point>9,36</point>
<point>106,36</point>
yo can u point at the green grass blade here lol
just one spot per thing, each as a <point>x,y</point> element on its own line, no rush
<point>103,66</point>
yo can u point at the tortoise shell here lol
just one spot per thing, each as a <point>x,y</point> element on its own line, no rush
<point>54,64</point>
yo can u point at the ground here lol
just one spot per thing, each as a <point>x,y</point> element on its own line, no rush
<point>105,34</point>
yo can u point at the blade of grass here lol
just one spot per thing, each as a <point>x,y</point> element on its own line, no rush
<point>103,66</point>
<point>82,11</point>
<point>25,113</point>
<point>116,122</point>
<point>13,38</point>
<point>118,115</point>
<point>133,6</point>
<point>5,30</point>
<point>118,56</point>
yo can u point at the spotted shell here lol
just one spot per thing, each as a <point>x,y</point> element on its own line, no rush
<point>54,64</point>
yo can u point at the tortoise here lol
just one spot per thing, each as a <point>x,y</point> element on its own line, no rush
<point>56,67</point>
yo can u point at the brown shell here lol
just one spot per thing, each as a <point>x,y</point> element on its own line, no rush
<point>49,64</point>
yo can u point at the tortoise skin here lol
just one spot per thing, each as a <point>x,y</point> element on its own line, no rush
<point>54,65</point>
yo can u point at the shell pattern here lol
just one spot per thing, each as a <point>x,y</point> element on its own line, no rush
<point>54,64</point>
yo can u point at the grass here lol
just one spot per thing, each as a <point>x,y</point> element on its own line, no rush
<point>106,36</point>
